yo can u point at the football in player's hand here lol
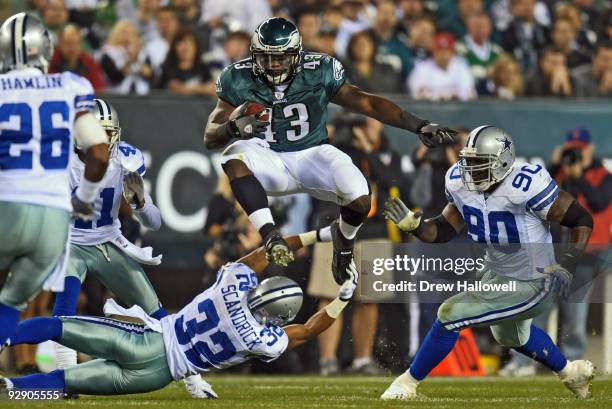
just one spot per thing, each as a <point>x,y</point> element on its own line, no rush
<point>252,108</point>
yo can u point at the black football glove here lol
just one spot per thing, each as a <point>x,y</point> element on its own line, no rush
<point>247,126</point>
<point>434,134</point>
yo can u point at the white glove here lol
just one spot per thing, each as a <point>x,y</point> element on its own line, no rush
<point>348,288</point>
<point>133,189</point>
<point>563,278</point>
<point>398,213</point>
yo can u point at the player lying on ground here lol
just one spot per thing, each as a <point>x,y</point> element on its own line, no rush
<point>485,190</point>
<point>98,247</point>
<point>289,152</point>
<point>234,320</point>
<point>40,115</point>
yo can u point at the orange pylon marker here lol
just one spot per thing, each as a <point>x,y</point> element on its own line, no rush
<point>463,360</point>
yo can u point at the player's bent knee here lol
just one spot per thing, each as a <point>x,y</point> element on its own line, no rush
<point>361,205</point>
<point>507,338</point>
<point>235,168</point>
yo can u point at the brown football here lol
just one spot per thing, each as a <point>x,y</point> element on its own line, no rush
<point>253,108</point>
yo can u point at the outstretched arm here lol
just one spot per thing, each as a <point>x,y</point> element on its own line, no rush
<point>386,111</point>
<point>439,229</point>
<point>257,261</point>
<point>300,333</point>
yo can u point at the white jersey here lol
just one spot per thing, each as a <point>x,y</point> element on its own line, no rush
<point>105,225</point>
<point>217,329</point>
<point>511,220</point>
<point>37,114</point>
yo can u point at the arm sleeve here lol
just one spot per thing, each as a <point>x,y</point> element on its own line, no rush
<point>334,76</point>
<point>226,90</point>
<point>541,194</point>
<point>83,92</point>
<point>114,73</point>
<point>149,216</point>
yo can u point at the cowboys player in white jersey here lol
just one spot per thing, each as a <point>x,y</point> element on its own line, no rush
<point>97,245</point>
<point>234,320</point>
<point>40,115</point>
<point>507,207</point>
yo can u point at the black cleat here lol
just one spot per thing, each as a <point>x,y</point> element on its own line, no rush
<point>277,249</point>
<point>4,386</point>
<point>343,254</point>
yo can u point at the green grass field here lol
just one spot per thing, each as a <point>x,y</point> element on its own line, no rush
<point>252,392</point>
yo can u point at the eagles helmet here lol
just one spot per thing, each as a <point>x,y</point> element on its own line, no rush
<point>487,158</point>
<point>275,301</point>
<point>24,42</point>
<point>109,120</point>
<point>275,50</point>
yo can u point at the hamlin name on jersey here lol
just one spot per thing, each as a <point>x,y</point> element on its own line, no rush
<point>37,114</point>
<point>105,225</point>
<point>510,221</point>
<point>217,330</point>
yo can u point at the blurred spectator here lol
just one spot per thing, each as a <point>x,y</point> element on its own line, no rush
<point>123,61</point>
<point>55,17</point>
<point>235,48</point>
<point>445,76</point>
<point>588,13</point>
<point>410,11</point>
<point>391,44</point>
<point>244,15</point>
<point>144,19</point>
<point>506,78</point>
<point>183,71</point>
<point>188,13</point>
<point>353,21</point>
<point>364,70</point>
<point>421,38</point>
<point>525,38</point>
<point>309,25</point>
<point>595,80</point>
<point>326,42</point>
<point>332,17</point>
<point>501,13</point>
<point>457,23</point>
<point>221,208</point>
<point>552,78</point>
<point>157,48</point>
<point>605,31</point>
<point>69,56</point>
<point>83,14</point>
<point>564,39</point>
<point>37,6</point>
<point>478,50</point>
<point>586,36</point>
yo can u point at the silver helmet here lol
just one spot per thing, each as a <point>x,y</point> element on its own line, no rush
<point>275,301</point>
<point>109,120</point>
<point>24,42</point>
<point>487,158</point>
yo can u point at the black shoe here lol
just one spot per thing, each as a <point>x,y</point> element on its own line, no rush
<point>3,386</point>
<point>343,254</point>
<point>277,249</point>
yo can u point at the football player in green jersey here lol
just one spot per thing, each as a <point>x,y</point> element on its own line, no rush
<point>289,153</point>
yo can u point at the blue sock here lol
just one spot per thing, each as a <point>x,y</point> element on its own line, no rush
<point>51,380</point>
<point>37,330</point>
<point>437,344</point>
<point>66,301</point>
<point>159,314</point>
<point>9,317</point>
<point>540,347</point>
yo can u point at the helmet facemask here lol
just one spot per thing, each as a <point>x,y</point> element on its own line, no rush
<point>276,68</point>
<point>481,171</point>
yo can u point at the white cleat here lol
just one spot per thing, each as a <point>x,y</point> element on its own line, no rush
<point>402,388</point>
<point>578,377</point>
<point>199,388</point>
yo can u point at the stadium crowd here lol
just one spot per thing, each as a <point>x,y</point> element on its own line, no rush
<point>432,50</point>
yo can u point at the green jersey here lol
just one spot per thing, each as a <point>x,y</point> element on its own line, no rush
<point>299,110</point>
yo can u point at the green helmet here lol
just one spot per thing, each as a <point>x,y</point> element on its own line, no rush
<point>275,50</point>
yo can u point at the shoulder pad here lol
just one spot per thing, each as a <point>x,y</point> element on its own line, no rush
<point>452,182</point>
<point>131,158</point>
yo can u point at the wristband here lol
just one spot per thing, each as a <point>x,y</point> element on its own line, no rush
<point>334,308</point>
<point>87,191</point>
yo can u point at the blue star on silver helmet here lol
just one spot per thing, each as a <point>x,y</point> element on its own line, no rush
<point>275,301</point>
<point>24,42</point>
<point>275,50</point>
<point>487,158</point>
